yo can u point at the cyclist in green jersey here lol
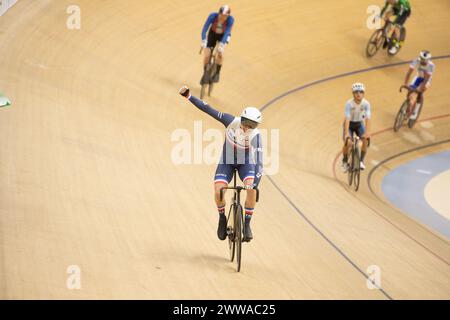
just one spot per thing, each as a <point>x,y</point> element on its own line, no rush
<point>402,10</point>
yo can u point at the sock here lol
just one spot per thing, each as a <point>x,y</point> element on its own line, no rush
<point>249,213</point>
<point>221,209</point>
<point>363,155</point>
<point>219,66</point>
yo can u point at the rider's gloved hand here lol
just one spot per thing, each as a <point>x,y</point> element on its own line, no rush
<point>221,47</point>
<point>184,91</point>
<point>204,44</point>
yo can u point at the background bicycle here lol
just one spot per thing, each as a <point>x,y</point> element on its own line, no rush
<point>207,81</point>
<point>381,37</point>
<point>407,108</point>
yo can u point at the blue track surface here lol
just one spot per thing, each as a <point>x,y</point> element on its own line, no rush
<point>405,186</point>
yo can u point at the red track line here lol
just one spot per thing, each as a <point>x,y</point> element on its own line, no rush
<point>376,211</point>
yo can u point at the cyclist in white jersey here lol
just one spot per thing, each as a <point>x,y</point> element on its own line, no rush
<point>357,119</point>
<point>422,81</point>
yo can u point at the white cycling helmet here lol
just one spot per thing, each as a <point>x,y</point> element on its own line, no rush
<point>225,9</point>
<point>251,117</point>
<point>358,87</point>
<point>425,55</point>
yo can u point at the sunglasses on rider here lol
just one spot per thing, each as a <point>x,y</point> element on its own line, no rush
<point>358,91</point>
<point>248,123</point>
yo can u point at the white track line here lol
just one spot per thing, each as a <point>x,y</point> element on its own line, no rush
<point>427,124</point>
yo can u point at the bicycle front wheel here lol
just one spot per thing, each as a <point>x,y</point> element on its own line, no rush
<point>230,231</point>
<point>375,42</point>
<point>400,116</point>
<point>238,230</point>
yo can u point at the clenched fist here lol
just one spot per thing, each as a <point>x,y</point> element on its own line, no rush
<point>184,91</point>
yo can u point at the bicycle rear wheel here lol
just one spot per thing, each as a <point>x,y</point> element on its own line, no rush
<point>375,42</point>
<point>357,168</point>
<point>412,122</point>
<point>350,169</point>
<point>230,232</point>
<point>400,116</point>
<point>238,227</point>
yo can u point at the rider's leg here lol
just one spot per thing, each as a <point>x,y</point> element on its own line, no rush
<point>396,34</point>
<point>250,201</point>
<point>361,132</point>
<point>346,149</point>
<point>365,144</point>
<point>223,176</point>
<point>412,98</point>
<point>387,17</point>
<point>206,57</point>
<point>395,39</point>
<point>219,62</point>
<point>399,22</point>
<point>418,102</point>
<point>247,174</point>
<point>220,203</point>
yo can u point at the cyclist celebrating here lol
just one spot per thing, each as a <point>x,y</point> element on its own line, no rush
<point>242,151</point>
<point>425,68</point>
<point>402,10</point>
<point>219,25</point>
<point>357,119</point>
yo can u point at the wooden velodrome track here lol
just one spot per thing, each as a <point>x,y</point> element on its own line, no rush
<point>86,176</point>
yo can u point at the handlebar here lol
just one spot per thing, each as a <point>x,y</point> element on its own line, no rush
<point>238,189</point>
<point>408,88</point>
<point>358,138</point>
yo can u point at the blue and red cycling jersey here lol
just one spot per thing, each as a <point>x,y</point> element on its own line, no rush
<point>242,150</point>
<point>213,22</point>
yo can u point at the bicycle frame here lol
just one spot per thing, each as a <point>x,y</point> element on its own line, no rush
<point>407,108</point>
<point>212,56</point>
<point>237,191</point>
<point>235,234</point>
<point>355,154</point>
<point>211,69</point>
<point>408,97</point>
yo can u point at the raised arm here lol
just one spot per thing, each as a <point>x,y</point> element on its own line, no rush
<point>224,118</point>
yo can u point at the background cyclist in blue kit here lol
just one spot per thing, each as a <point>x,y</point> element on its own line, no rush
<point>219,25</point>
